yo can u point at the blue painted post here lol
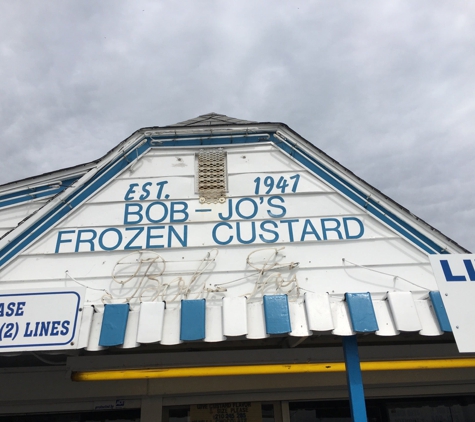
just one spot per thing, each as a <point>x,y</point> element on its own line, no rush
<point>354,379</point>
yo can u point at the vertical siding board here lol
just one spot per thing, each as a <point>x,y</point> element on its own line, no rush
<point>193,320</point>
<point>276,310</point>
<point>363,318</point>
<point>319,313</point>
<point>114,324</point>
<point>150,322</point>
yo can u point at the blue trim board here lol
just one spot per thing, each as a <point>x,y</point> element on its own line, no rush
<point>363,318</point>
<point>440,311</point>
<point>82,193</point>
<point>193,320</point>
<point>331,178</point>
<point>361,199</point>
<point>114,323</point>
<point>354,379</point>
<point>34,193</point>
<point>76,198</point>
<point>277,315</point>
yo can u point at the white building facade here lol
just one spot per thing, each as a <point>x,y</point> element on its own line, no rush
<point>218,269</point>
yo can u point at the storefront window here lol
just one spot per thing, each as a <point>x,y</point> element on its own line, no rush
<point>221,412</point>
<point>438,409</point>
<point>329,411</point>
<point>460,409</point>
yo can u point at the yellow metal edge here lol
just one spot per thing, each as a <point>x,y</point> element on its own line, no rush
<point>296,368</point>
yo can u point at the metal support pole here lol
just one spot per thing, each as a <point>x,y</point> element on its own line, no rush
<point>354,379</point>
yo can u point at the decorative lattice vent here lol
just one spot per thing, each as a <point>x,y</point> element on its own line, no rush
<point>211,178</point>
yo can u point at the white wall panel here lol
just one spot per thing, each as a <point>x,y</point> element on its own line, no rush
<point>404,311</point>
<point>171,325</point>
<point>214,322</point>
<point>12,215</point>
<point>319,313</point>
<point>430,326</point>
<point>298,319</point>
<point>320,256</point>
<point>239,185</point>
<point>326,248</point>
<point>256,322</point>
<point>130,339</point>
<point>151,322</point>
<point>341,318</point>
<point>154,212</point>
<point>384,318</point>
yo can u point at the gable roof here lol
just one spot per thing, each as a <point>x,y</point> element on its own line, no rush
<point>79,184</point>
<point>195,132</point>
<point>212,119</point>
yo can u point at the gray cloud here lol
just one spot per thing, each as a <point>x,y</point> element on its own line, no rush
<point>387,89</point>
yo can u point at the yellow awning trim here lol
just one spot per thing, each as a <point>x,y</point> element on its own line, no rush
<point>294,368</point>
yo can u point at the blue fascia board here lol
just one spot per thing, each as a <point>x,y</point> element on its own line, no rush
<point>121,161</point>
<point>114,324</point>
<point>333,179</point>
<point>440,311</point>
<point>187,140</point>
<point>362,199</point>
<point>193,320</point>
<point>363,318</point>
<point>77,197</point>
<point>30,194</point>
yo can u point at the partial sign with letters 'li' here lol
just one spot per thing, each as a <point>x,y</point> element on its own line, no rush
<point>455,276</point>
<point>40,320</point>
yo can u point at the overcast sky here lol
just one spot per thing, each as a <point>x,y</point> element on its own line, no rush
<point>386,88</point>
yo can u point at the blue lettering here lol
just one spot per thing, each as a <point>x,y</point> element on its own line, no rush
<point>44,330</point>
<point>309,229</point>
<point>79,239</point>
<point>182,211</point>
<point>470,270</point>
<point>28,330</point>
<point>222,242</point>
<point>10,309</point>
<point>60,239</point>
<point>160,188</point>
<point>252,214</point>
<point>448,272</point>
<point>280,207</point>
<point>253,233</point>
<point>55,328</point>
<point>149,209</point>
<point>151,236</point>
<point>183,240</point>
<point>290,228</point>
<point>230,211</point>
<point>129,244</point>
<point>263,228</point>
<point>347,229</point>
<point>326,229</point>
<point>65,328</point>
<point>128,212</point>
<point>19,308</point>
<point>116,245</point>
<point>145,190</point>
<point>130,192</point>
